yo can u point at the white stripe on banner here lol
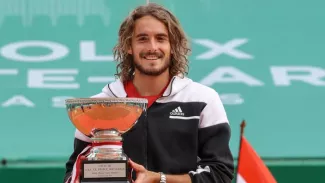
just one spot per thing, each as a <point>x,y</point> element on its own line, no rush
<point>240,179</point>
<point>8,71</point>
<point>186,118</point>
<point>100,79</point>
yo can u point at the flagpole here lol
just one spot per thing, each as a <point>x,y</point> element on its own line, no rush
<point>242,126</point>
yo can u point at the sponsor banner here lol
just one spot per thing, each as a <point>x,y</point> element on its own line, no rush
<point>266,64</point>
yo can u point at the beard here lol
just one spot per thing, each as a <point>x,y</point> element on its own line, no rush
<point>152,72</point>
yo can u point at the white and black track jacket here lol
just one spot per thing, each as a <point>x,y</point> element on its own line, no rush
<point>184,131</point>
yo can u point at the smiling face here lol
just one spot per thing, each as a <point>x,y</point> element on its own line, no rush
<point>151,42</point>
<point>150,46</point>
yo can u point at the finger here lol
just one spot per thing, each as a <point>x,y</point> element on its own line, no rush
<point>136,166</point>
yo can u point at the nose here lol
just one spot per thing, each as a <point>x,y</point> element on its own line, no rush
<point>153,45</point>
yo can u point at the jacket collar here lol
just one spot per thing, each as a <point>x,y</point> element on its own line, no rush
<point>176,84</point>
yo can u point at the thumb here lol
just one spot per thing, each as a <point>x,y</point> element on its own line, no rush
<point>136,166</point>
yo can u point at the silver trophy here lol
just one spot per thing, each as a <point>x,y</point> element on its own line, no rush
<point>104,120</point>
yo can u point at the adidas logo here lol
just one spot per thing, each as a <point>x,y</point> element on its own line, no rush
<point>177,112</point>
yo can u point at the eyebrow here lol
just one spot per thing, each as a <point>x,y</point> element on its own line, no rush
<point>159,34</point>
<point>162,35</point>
<point>141,34</point>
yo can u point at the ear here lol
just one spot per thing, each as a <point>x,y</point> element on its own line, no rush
<point>130,51</point>
<point>129,47</point>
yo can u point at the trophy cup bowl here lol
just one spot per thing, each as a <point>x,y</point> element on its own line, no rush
<point>104,120</point>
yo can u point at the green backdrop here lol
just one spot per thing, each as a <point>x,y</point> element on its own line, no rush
<point>265,58</point>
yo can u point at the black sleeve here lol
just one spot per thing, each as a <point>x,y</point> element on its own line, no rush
<point>79,146</point>
<point>216,164</point>
<point>216,161</point>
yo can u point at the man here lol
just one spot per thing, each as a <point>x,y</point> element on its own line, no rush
<point>185,134</point>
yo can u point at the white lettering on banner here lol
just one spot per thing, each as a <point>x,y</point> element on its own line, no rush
<point>231,99</point>
<point>219,75</point>
<point>10,51</point>
<point>282,76</point>
<point>311,75</point>
<point>59,101</point>
<point>18,100</point>
<point>8,71</point>
<point>100,79</point>
<point>226,98</point>
<point>87,49</point>
<point>217,49</point>
<point>88,53</point>
<point>38,78</point>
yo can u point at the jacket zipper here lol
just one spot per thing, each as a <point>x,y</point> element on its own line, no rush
<point>145,139</point>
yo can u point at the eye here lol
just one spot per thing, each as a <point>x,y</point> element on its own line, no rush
<point>161,38</point>
<point>143,38</point>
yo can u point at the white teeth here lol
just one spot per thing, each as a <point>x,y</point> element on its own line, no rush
<point>151,58</point>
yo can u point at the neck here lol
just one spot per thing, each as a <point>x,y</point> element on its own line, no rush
<point>150,85</point>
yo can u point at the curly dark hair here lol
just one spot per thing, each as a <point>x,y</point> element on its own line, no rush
<point>179,43</point>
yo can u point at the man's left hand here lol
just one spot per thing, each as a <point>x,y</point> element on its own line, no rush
<point>143,175</point>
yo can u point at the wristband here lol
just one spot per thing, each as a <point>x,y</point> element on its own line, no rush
<point>162,178</point>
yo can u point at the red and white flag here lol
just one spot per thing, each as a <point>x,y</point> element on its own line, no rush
<point>251,168</point>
